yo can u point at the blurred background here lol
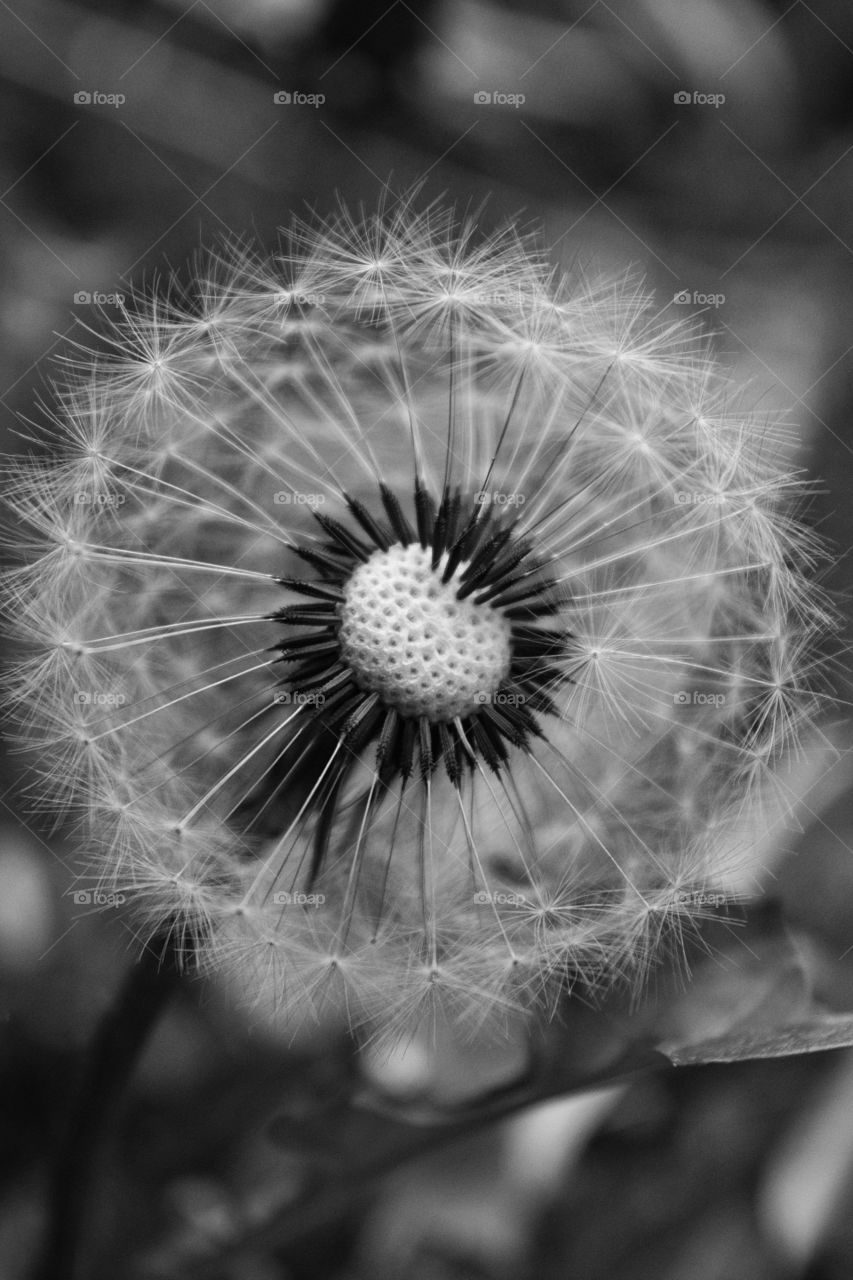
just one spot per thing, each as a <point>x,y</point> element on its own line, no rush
<point>707,143</point>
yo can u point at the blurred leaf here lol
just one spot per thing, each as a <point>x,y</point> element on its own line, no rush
<point>753,998</point>
<point>822,1031</point>
<point>750,994</point>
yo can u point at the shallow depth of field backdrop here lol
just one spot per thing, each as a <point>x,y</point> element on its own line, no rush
<point>708,143</point>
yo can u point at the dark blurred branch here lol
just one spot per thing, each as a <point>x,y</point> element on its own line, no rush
<point>111,1059</point>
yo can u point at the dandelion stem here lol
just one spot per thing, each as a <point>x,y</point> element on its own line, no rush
<point>112,1056</point>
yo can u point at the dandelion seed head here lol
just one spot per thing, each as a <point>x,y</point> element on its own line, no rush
<point>403,623</point>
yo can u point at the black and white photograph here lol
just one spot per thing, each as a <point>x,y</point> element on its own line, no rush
<point>426,605</point>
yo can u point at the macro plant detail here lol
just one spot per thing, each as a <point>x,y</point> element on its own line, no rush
<point>428,643</point>
<point>412,628</point>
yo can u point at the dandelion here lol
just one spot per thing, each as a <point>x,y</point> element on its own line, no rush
<point>406,623</point>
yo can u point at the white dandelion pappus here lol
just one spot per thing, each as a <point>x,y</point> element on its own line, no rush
<point>406,622</point>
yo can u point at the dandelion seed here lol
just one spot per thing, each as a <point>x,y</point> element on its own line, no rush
<point>404,623</point>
